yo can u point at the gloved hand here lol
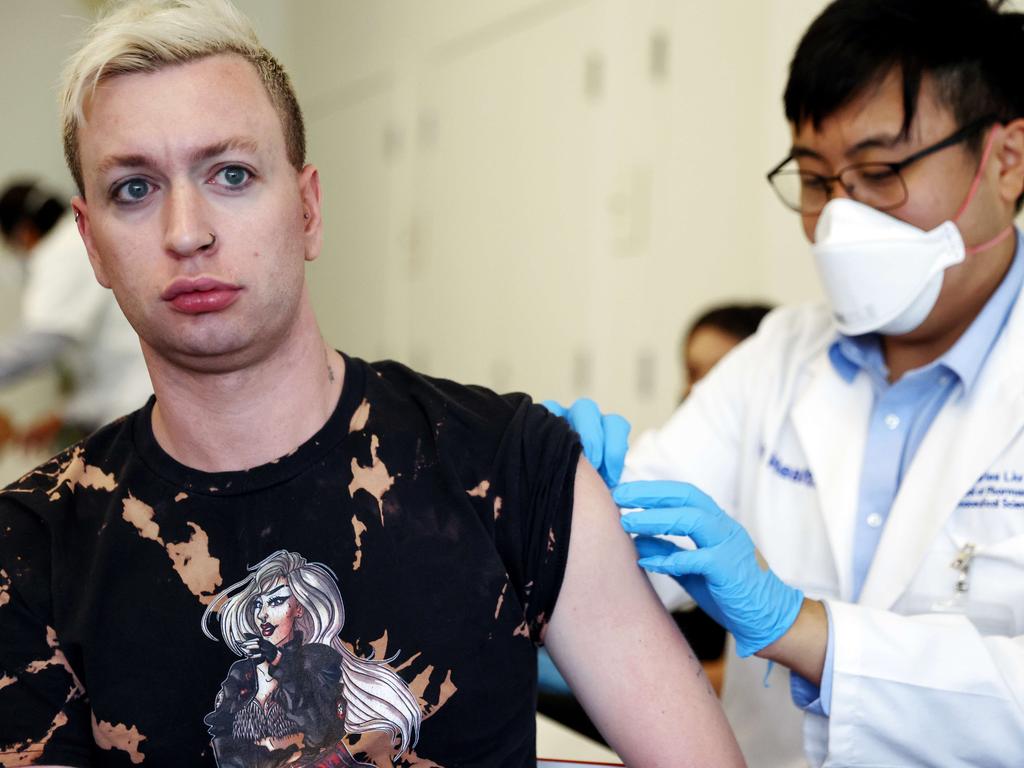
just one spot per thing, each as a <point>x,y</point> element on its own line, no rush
<point>725,574</point>
<point>604,438</point>
<point>260,649</point>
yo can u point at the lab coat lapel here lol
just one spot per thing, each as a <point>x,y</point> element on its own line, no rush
<point>965,439</point>
<point>830,417</point>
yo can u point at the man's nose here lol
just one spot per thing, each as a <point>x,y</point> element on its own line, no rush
<point>188,231</point>
<point>838,189</point>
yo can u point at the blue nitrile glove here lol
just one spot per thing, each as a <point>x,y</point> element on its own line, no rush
<point>605,438</point>
<point>725,574</point>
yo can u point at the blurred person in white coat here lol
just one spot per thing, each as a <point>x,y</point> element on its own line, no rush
<point>67,318</point>
<point>872,449</point>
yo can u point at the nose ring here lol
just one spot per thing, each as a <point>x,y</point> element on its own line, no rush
<point>213,241</point>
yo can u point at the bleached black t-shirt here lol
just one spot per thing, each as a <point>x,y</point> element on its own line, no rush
<point>373,598</point>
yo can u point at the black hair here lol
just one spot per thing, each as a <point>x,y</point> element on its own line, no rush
<point>739,320</point>
<point>25,202</point>
<point>969,47</point>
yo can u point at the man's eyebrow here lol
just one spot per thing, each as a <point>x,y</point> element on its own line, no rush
<point>235,144</point>
<point>800,151</point>
<point>877,141</point>
<point>123,161</point>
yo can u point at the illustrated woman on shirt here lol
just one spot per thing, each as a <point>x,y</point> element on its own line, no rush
<point>298,690</point>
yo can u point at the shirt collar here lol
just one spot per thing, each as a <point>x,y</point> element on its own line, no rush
<point>851,354</point>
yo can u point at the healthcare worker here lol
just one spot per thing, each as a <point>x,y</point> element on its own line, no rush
<point>872,449</point>
<point>67,318</point>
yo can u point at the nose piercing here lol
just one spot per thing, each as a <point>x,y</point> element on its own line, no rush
<point>213,241</point>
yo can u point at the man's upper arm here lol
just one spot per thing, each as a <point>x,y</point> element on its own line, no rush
<point>26,351</point>
<point>622,654</point>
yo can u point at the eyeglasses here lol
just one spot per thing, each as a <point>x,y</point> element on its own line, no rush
<point>879,185</point>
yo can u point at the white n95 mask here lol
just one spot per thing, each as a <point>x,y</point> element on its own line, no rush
<point>880,273</point>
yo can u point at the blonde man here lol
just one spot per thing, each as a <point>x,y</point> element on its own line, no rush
<point>443,510</point>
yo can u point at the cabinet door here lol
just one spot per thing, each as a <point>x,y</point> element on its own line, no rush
<point>506,185</point>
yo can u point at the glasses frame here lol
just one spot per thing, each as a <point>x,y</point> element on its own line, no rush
<point>961,134</point>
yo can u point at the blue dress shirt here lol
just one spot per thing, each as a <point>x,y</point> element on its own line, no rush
<point>900,417</point>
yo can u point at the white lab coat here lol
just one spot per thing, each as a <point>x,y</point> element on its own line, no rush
<point>61,296</point>
<point>909,689</point>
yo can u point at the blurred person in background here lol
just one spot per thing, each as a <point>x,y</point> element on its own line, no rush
<point>68,320</point>
<point>712,335</point>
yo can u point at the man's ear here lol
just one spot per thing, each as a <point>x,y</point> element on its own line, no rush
<point>310,195</point>
<point>1010,158</point>
<point>81,209</point>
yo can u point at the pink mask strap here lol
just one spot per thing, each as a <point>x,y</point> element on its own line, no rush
<point>977,176</point>
<point>990,243</point>
<point>970,196</point>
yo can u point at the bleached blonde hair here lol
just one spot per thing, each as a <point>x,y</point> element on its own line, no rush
<point>149,35</point>
<point>376,697</point>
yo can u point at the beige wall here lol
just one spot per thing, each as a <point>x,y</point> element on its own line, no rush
<point>539,195</point>
<point>527,194</point>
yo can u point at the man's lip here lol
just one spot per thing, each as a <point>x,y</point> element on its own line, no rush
<point>181,285</point>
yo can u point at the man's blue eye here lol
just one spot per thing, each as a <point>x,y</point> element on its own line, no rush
<point>133,190</point>
<point>234,175</point>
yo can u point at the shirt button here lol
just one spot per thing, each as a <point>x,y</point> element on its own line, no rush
<point>892,421</point>
<point>874,520</point>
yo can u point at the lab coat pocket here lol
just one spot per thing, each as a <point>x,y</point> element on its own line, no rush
<point>997,577</point>
<point>986,584</point>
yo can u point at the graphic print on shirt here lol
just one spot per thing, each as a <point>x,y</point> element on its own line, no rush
<point>298,691</point>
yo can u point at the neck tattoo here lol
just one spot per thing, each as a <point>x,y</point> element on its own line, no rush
<point>330,371</point>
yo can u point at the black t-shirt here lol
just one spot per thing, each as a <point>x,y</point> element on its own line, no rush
<point>386,582</point>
